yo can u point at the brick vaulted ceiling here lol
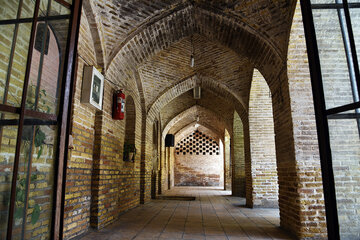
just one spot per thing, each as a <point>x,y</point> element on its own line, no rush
<point>155,38</point>
<point>122,19</point>
<point>172,65</point>
<point>184,110</point>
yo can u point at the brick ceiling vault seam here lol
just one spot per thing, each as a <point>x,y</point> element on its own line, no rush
<point>140,90</point>
<point>146,24</point>
<point>191,111</point>
<point>174,11</point>
<point>97,33</point>
<point>176,90</point>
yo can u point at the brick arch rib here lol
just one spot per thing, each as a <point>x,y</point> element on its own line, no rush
<point>214,132</point>
<point>222,29</point>
<point>96,33</point>
<point>190,111</point>
<point>188,84</point>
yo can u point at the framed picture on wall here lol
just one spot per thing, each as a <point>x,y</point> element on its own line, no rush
<point>93,87</point>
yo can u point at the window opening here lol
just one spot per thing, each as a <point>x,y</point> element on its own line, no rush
<point>337,126</point>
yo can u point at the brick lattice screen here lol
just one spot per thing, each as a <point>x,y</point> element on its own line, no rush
<point>197,143</point>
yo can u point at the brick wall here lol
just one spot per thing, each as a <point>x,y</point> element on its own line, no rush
<point>100,185</point>
<point>198,161</point>
<point>238,159</point>
<point>227,160</point>
<point>344,134</point>
<point>345,154</point>
<point>262,144</point>
<point>80,163</point>
<point>308,205</point>
<point>132,50</point>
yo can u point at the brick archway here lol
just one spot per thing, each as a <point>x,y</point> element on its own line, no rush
<point>260,48</point>
<point>217,123</point>
<point>190,83</point>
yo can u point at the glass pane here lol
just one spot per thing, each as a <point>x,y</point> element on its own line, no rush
<point>39,214</point>
<point>334,68</point>
<point>21,183</point>
<point>6,38</point>
<point>8,136</point>
<point>345,149</point>
<point>9,9</point>
<point>28,8</point>
<point>19,65</point>
<point>43,7</point>
<point>322,1</point>
<point>355,19</point>
<point>37,162</point>
<point>50,45</point>
<point>58,9</point>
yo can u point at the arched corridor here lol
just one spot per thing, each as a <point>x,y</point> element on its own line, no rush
<point>214,214</point>
<point>112,110</point>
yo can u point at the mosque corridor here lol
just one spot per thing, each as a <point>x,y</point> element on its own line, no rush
<point>214,214</point>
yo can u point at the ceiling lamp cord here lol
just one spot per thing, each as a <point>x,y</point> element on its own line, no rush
<point>192,59</point>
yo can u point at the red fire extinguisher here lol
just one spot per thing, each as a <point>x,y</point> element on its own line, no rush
<point>118,105</point>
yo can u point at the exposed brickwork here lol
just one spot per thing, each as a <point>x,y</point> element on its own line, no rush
<point>144,47</point>
<point>227,160</point>
<point>184,89</point>
<point>345,152</point>
<point>197,143</point>
<point>212,61</point>
<point>262,143</point>
<point>80,163</point>
<point>97,176</point>
<point>310,204</point>
<point>45,79</point>
<point>344,134</point>
<point>270,21</point>
<point>116,181</point>
<point>189,117</point>
<point>12,74</point>
<point>238,159</point>
<point>198,161</point>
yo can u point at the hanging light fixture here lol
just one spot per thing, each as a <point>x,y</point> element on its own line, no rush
<point>197,121</point>
<point>197,92</point>
<point>197,88</point>
<point>192,59</point>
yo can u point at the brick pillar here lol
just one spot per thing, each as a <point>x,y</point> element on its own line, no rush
<point>247,155</point>
<point>96,202</point>
<point>227,155</point>
<point>302,202</point>
<point>143,159</point>
<point>238,158</point>
<point>262,143</point>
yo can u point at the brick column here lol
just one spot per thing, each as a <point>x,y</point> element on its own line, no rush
<point>238,158</point>
<point>262,143</point>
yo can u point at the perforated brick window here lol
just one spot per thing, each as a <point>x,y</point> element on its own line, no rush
<point>197,143</point>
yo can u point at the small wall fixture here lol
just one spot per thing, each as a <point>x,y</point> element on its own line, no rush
<point>197,92</point>
<point>92,87</point>
<point>192,59</point>
<point>169,140</point>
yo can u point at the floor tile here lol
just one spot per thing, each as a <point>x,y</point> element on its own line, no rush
<point>213,215</point>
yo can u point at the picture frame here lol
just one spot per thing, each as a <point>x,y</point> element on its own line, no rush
<point>92,88</point>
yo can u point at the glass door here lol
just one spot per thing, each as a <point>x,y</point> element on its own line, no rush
<point>37,45</point>
<point>333,39</point>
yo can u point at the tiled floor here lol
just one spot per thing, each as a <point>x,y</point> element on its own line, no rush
<point>213,215</point>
